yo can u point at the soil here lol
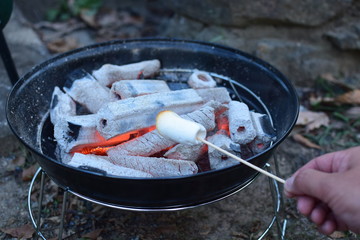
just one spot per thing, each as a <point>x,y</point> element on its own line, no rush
<point>244,215</point>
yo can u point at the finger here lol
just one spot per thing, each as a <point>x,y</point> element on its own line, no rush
<point>309,182</point>
<point>328,226</point>
<point>319,213</point>
<point>305,205</point>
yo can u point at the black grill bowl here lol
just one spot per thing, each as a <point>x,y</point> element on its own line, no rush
<point>265,89</point>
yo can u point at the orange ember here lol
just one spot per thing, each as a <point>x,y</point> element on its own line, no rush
<point>102,145</point>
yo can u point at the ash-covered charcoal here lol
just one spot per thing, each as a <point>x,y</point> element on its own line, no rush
<point>219,94</point>
<point>103,164</point>
<point>135,113</point>
<point>218,159</point>
<point>265,133</point>
<point>109,73</point>
<point>186,152</point>
<point>89,93</point>
<point>134,88</point>
<point>157,167</point>
<point>201,79</point>
<point>240,123</point>
<point>61,106</point>
<point>76,130</point>
<point>152,142</point>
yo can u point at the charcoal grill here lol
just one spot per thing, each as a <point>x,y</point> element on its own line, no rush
<point>258,84</point>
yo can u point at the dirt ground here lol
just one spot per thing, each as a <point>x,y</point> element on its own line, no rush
<point>244,215</point>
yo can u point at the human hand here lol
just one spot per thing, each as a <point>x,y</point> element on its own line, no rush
<point>327,190</point>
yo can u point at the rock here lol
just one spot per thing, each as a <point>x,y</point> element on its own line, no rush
<point>242,13</point>
<point>346,37</point>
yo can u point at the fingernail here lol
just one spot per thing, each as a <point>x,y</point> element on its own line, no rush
<point>288,187</point>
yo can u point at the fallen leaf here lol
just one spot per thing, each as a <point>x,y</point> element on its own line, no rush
<point>62,45</point>
<point>304,141</point>
<point>352,97</point>
<point>312,120</point>
<point>353,112</point>
<point>330,78</point>
<point>337,234</point>
<point>25,231</point>
<point>89,17</point>
<point>29,173</point>
<point>93,234</point>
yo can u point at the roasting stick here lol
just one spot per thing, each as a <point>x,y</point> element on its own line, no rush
<point>172,126</point>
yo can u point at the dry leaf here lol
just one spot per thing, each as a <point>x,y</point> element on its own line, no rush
<point>312,120</point>
<point>352,97</point>
<point>62,45</point>
<point>304,141</point>
<point>29,173</point>
<point>353,112</point>
<point>337,234</point>
<point>330,78</point>
<point>93,234</point>
<point>25,231</point>
<point>89,17</point>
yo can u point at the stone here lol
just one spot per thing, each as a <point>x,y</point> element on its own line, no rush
<point>346,37</point>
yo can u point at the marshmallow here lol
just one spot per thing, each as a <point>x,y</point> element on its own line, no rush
<point>172,126</point>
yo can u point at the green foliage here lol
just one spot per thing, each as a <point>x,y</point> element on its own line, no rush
<point>68,9</point>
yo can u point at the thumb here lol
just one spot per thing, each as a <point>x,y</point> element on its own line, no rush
<point>309,182</point>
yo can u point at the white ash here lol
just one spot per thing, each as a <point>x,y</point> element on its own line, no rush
<point>61,106</point>
<point>240,123</point>
<point>103,164</point>
<point>134,88</point>
<point>135,113</point>
<point>201,79</point>
<point>76,130</point>
<point>152,142</point>
<point>219,94</point>
<point>218,159</point>
<point>157,167</point>
<point>186,152</point>
<point>109,73</point>
<point>89,93</point>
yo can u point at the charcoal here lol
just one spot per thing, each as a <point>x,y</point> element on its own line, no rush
<point>157,167</point>
<point>61,106</point>
<point>265,133</point>
<point>136,113</point>
<point>201,79</point>
<point>76,130</point>
<point>101,164</point>
<point>152,142</point>
<point>89,93</point>
<point>134,88</point>
<point>219,94</point>
<point>108,73</point>
<point>186,152</point>
<point>240,123</point>
<point>218,159</point>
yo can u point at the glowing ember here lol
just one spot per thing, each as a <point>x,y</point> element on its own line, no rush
<point>103,145</point>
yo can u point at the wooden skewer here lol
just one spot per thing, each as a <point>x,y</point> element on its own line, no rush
<point>243,161</point>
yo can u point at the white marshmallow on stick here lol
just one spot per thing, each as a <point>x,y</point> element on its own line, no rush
<point>172,126</point>
<point>178,129</point>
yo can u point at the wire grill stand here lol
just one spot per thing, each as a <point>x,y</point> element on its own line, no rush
<point>274,188</point>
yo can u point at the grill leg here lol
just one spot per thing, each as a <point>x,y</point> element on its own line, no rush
<point>63,210</point>
<point>7,59</point>
<point>42,183</point>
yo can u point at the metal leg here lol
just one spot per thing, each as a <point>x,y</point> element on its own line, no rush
<point>7,59</point>
<point>42,181</point>
<point>63,210</point>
